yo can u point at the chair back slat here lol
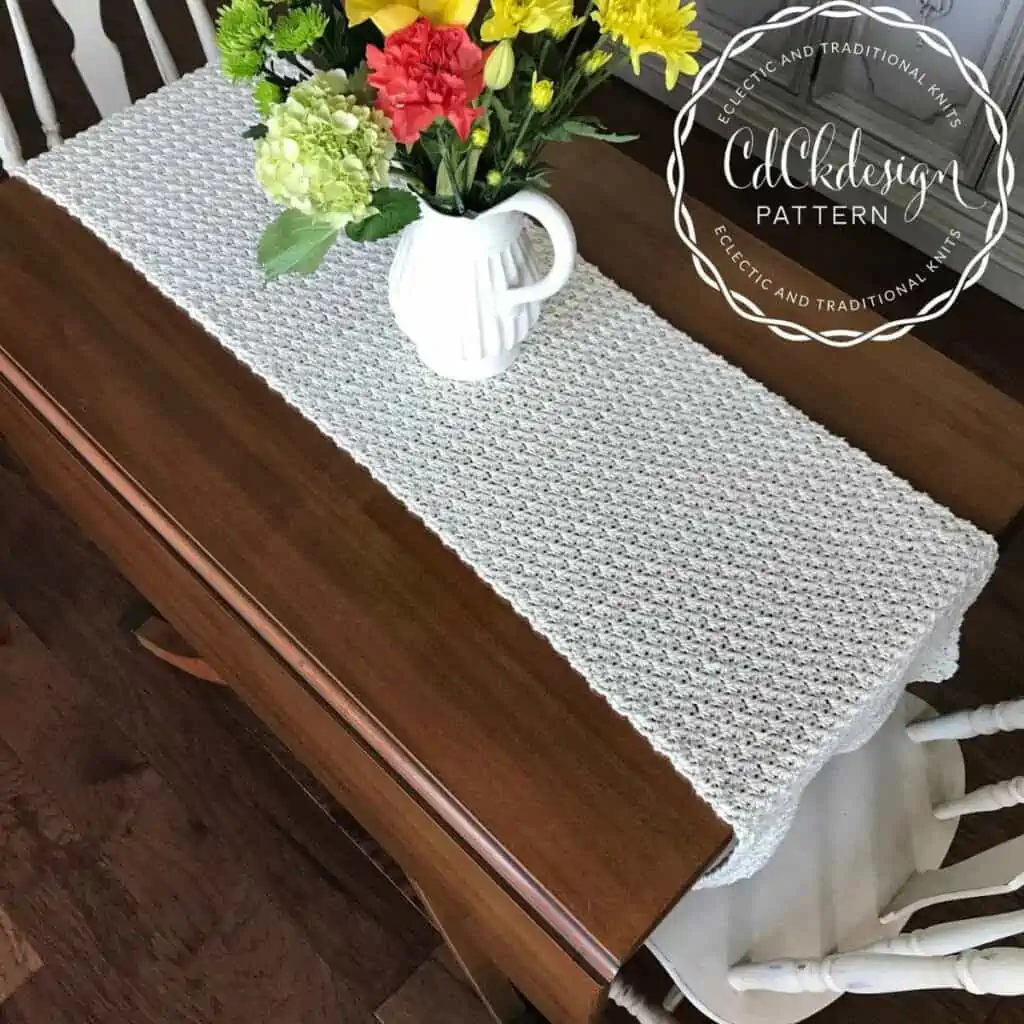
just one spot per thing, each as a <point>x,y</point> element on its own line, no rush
<point>97,60</point>
<point>994,872</point>
<point>204,29</point>
<point>952,937</point>
<point>996,797</point>
<point>157,44</point>
<point>95,56</point>
<point>41,98</point>
<point>10,148</point>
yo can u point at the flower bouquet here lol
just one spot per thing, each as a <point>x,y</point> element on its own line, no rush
<point>381,114</point>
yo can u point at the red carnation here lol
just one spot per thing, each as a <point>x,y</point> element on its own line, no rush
<point>427,71</point>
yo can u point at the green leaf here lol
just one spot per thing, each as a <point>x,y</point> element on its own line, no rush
<point>557,133</point>
<point>501,111</point>
<point>470,168</point>
<point>257,131</point>
<point>445,186</point>
<point>431,147</point>
<point>396,208</point>
<point>586,129</point>
<point>295,243</point>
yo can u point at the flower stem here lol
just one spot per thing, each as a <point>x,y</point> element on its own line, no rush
<point>447,141</point>
<point>542,56</point>
<point>519,138</point>
<point>566,101</point>
<point>601,77</point>
<point>577,32</point>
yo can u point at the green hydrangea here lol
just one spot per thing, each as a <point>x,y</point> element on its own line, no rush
<point>266,95</point>
<point>243,31</point>
<point>298,30</point>
<point>325,152</point>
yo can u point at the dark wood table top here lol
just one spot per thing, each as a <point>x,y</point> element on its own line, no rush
<point>477,716</point>
<point>476,713</point>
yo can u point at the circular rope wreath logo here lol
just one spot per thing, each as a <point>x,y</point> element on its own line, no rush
<point>811,149</point>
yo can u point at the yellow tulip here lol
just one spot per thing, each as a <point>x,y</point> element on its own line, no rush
<point>390,16</point>
<point>500,66</point>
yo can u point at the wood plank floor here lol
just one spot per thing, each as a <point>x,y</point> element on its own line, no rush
<point>162,859</point>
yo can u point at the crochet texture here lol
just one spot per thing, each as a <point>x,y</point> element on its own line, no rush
<point>749,591</point>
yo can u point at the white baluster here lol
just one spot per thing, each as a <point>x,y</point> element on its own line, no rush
<point>979,971</point>
<point>95,56</point>
<point>10,148</point>
<point>963,725</point>
<point>157,44</point>
<point>97,60</point>
<point>638,1005</point>
<point>204,29</point>
<point>992,873</point>
<point>41,98</point>
<point>954,937</point>
<point>985,799</point>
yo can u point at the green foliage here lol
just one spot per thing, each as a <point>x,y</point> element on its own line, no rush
<point>243,29</point>
<point>342,45</point>
<point>266,94</point>
<point>250,32</point>
<point>299,29</point>
<point>502,114</point>
<point>395,208</point>
<point>444,187</point>
<point>584,128</point>
<point>295,243</point>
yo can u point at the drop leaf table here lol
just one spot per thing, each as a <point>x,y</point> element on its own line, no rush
<point>545,833</point>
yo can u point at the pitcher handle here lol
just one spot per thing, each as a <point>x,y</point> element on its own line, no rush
<point>556,222</point>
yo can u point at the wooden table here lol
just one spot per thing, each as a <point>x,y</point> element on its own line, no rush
<point>546,836</point>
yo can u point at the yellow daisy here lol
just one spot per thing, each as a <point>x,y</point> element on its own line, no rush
<point>510,17</point>
<point>653,26</point>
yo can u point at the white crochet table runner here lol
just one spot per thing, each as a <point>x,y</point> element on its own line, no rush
<point>750,592</point>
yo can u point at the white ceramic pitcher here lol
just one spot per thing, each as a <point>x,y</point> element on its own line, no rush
<point>467,290</point>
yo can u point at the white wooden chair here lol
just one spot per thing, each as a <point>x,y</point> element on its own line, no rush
<point>97,61</point>
<point>824,916</point>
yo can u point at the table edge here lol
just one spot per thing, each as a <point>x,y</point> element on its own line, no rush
<point>553,915</point>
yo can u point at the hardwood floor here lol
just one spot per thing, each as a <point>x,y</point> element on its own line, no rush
<point>162,859</point>
<point>18,959</point>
